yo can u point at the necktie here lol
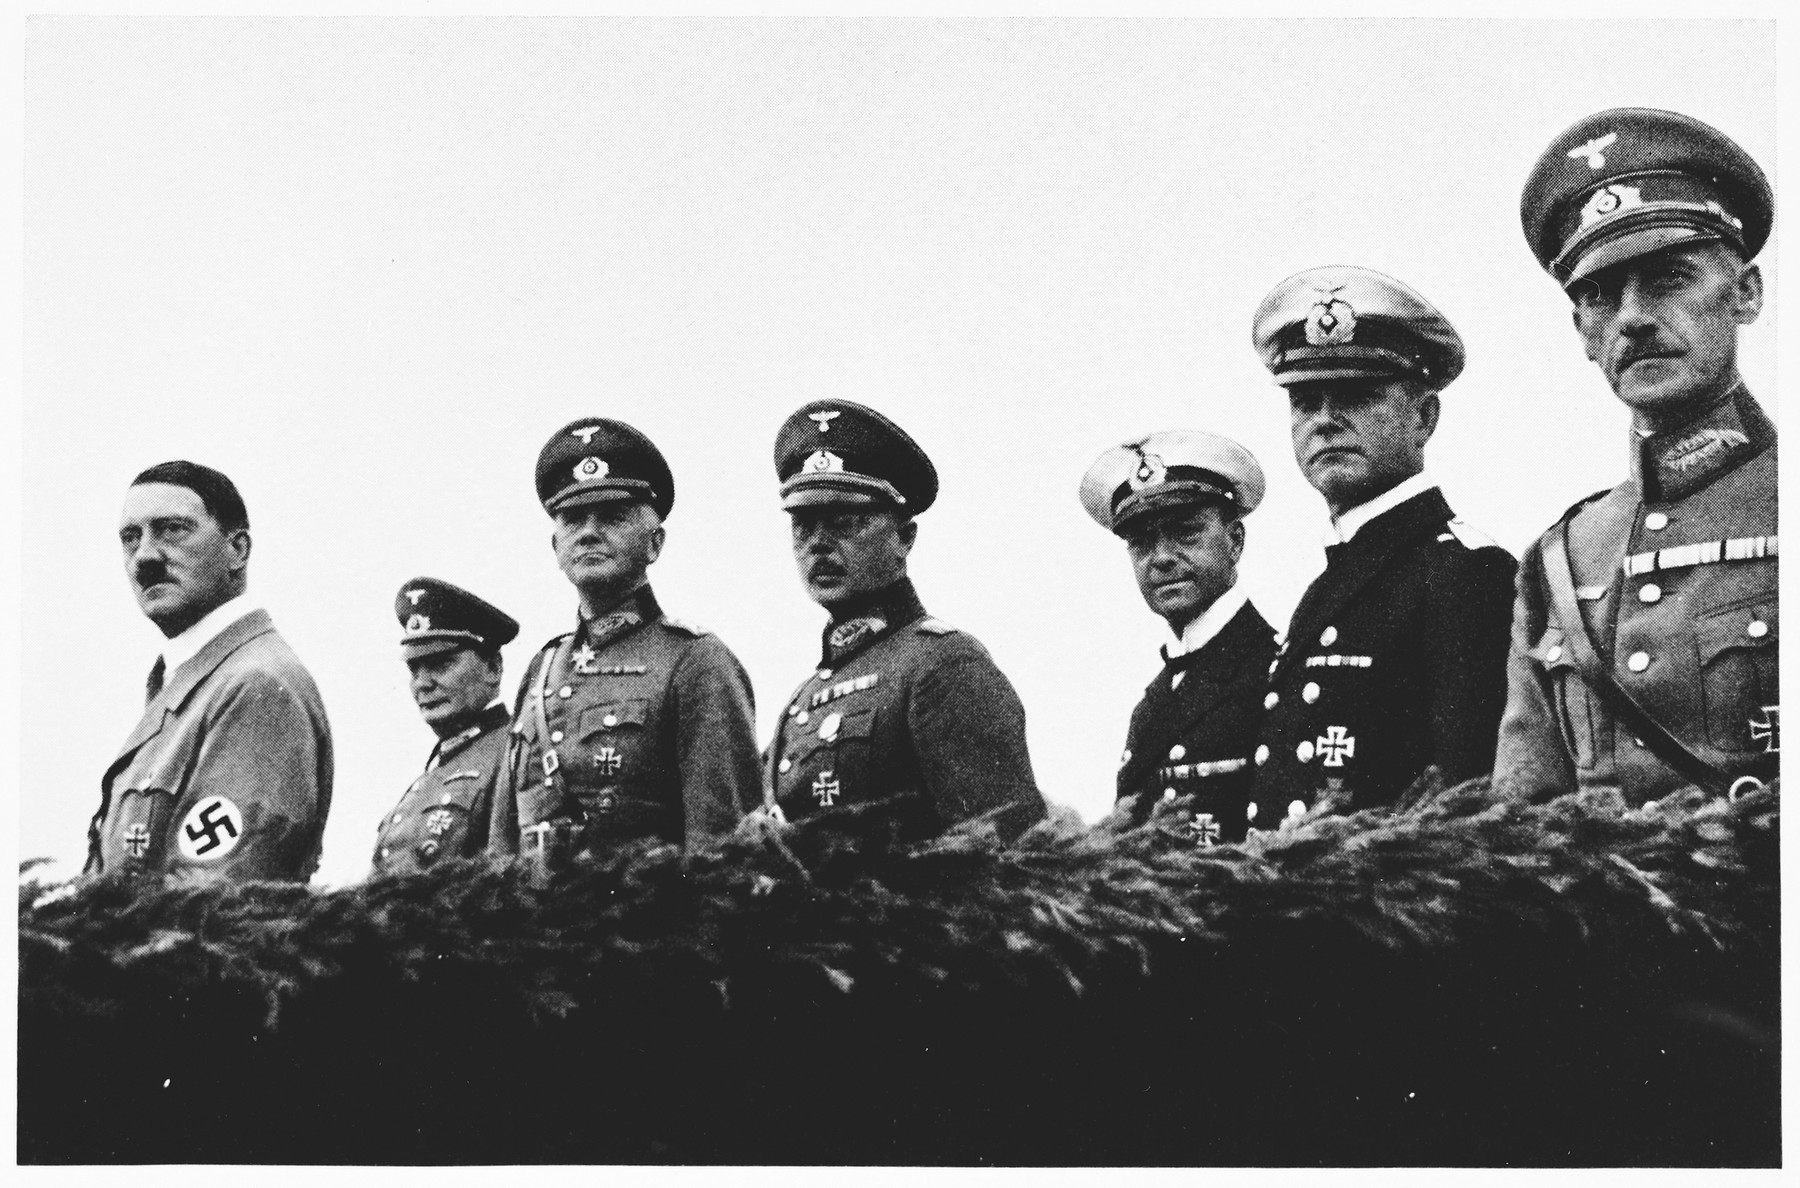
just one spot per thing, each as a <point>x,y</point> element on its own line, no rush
<point>154,685</point>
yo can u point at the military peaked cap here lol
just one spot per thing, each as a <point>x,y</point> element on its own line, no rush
<point>1174,468</point>
<point>595,460</point>
<point>1633,180</point>
<point>836,452</point>
<point>1343,322</point>
<point>440,617</point>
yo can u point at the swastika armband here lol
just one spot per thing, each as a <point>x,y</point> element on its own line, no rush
<point>211,830</point>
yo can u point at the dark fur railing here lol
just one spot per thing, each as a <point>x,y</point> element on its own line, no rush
<point>1460,981</point>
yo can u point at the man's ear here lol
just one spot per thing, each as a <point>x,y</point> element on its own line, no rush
<point>1747,295</point>
<point>656,543</point>
<point>239,544</point>
<point>1236,532</point>
<point>1425,412</point>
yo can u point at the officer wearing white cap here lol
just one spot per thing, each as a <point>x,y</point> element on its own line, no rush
<point>1644,654</point>
<point>452,648</point>
<point>1395,658</point>
<point>1178,499</point>
<point>634,724</point>
<point>905,714</point>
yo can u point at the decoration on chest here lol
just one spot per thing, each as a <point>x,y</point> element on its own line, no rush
<point>137,840</point>
<point>826,789</point>
<point>608,761</point>
<point>438,823</point>
<point>1337,660</point>
<point>843,689</point>
<point>583,658</point>
<point>1768,731</point>
<point>1206,830</point>
<point>1202,769</point>
<point>1706,552</point>
<point>1335,746</point>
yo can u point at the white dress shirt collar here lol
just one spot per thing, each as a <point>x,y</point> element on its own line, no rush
<point>1346,526</point>
<point>187,645</point>
<point>1211,621</point>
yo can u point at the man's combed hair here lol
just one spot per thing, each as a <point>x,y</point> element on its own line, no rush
<point>217,493</point>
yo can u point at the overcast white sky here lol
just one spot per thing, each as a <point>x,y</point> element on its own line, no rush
<point>366,267</point>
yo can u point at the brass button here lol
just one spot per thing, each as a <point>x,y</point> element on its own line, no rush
<point>793,709</point>
<point>565,692</point>
<point>1638,661</point>
<point>556,736</point>
<point>803,718</point>
<point>824,674</point>
<point>1168,794</point>
<point>1271,700</point>
<point>1656,521</point>
<point>1177,751</point>
<point>1328,637</point>
<point>1304,752</point>
<point>1757,629</point>
<point>784,766</point>
<point>1310,694</point>
<point>1554,654</point>
<point>610,720</point>
<point>1250,811</point>
<point>1651,592</point>
<point>1262,755</point>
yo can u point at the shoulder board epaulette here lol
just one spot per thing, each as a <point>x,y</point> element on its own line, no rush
<point>1470,536</point>
<point>930,626</point>
<point>683,626</point>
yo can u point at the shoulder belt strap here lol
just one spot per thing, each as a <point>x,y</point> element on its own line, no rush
<point>1598,675</point>
<point>556,650</point>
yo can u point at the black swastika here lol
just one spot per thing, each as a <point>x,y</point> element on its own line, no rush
<point>209,829</point>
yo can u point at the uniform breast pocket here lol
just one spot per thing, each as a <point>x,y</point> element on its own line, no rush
<point>1576,714</point>
<point>837,732</point>
<point>1739,676</point>
<point>613,739</point>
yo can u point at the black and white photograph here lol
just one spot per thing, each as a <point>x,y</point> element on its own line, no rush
<point>1023,589</point>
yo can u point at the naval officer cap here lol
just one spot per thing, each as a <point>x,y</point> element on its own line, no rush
<point>1172,469</point>
<point>596,460</point>
<point>439,617</point>
<point>1634,180</point>
<point>839,453</point>
<point>1343,322</point>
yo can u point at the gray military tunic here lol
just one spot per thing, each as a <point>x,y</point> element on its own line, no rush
<point>1674,573</point>
<point>445,813</point>
<point>908,712</point>
<point>634,725</point>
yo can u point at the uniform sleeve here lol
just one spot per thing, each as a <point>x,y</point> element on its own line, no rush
<point>715,744</point>
<point>968,726</point>
<point>261,752</point>
<point>1466,657</point>
<point>1532,760</point>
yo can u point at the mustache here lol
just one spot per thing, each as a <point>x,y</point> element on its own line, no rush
<point>1649,349</point>
<point>148,573</point>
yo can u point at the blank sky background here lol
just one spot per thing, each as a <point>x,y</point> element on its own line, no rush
<point>366,267</point>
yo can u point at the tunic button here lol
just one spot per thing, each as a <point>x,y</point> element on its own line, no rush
<point>803,717</point>
<point>1757,629</point>
<point>1296,808</point>
<point>385,851</point>
<point>1637,740</point>
<point>565,692</point>
<point>428,849</point>
<point>1304,752</point>
<point>824,674</point>
<point>1271,700</point>
<point>784,766</point>
<point>1168,794</point>
<point>1554,654</point>
<point>1262,755</point>
<point>1125,758</point>
<point>1328,637</point>
<point>1177,751</point>
<point>1250,811</point>
<point>1638,661</point>
<point>793,709</point>
<point>396,818</point>
<point>1273,665</point>
<point>556,736</point>
<point>1656,521</point>
<point>447,798</point>
<point>610,720</point>
<point>1175,681</point>
<point>1310,694</point>
<point>1650,593</point>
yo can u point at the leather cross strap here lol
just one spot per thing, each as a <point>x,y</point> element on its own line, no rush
<point>1599,678</point>
<point>551,761</point>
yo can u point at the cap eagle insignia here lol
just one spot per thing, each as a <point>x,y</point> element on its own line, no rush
<point>1594,150</point>
<point>1331,321</point>
<point>585,433</point>
<point>1151,470</point>
<point>824,419</point>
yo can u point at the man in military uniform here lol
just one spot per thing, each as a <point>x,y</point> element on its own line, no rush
<point>228,773</point>
<point>452,648</point>
<point>1179,498</point>
<point>635,724</point>
<point>904,711</point>
<point>1644,651</point>
<point>1396,656</point>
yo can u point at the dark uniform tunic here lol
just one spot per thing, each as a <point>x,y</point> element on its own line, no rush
<point>908,710</point>
<point>1395,660</point>
<point>445,813</point>
<point>650,733</point>
<point>1675,572</point>
<point>1195,730</point>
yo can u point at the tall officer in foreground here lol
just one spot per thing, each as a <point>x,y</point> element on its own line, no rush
<point>1644,641</point>
<point>634,724</point>
<point>1396,656</point>
<point>452,649</point>
<point>1179,498</point>
<point>904,711</point>
<point>228,773</point>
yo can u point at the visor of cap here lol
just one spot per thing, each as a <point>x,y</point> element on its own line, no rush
<point>838,487</point>
<point>1641,241</point>
<point>600,491</point>
<point>1342,364</point>
<point>432,643</point>
<point>1168,496</point>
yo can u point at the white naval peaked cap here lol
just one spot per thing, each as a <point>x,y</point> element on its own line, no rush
<point>1173,468</point>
